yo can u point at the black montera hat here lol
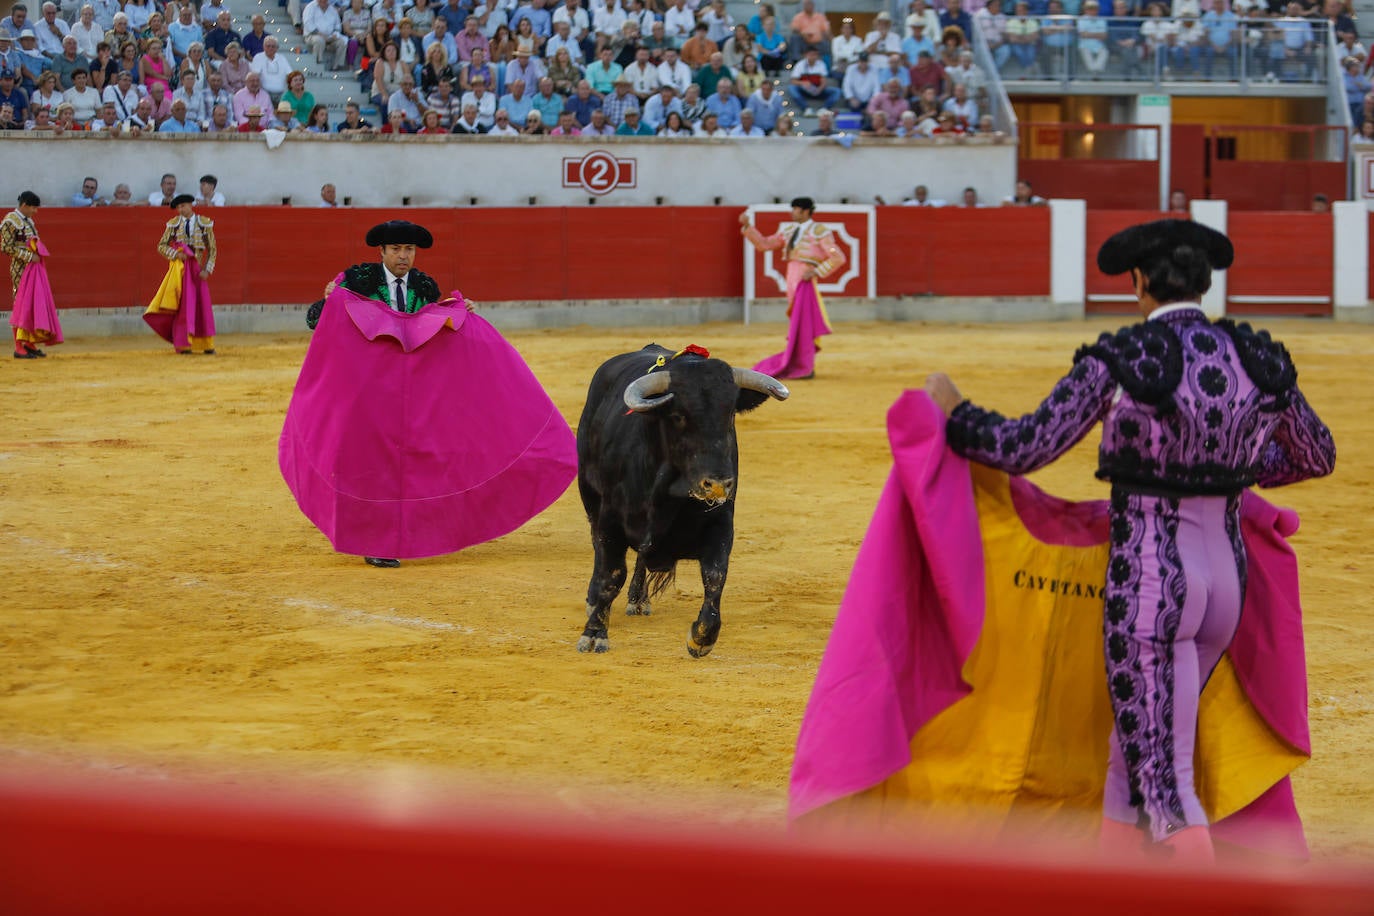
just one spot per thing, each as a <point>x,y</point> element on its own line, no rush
<point>804,203</point>
<point>1138,245</point>
<point>182,199</point>
<point>399,232</point>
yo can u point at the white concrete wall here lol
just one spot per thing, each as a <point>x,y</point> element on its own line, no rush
<point>444,171</point>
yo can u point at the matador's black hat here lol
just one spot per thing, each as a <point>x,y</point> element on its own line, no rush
<point>804,203</point>
<point>182,199</point>
<point>399,232</point>
<point>1138,245</point>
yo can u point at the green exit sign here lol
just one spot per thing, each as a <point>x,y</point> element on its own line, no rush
<point>1153,101</point>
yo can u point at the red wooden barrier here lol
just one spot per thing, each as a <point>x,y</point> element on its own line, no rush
<point>1111,295</point>
<point>1283,264</point>
<point>1276,185</point>
<point>953,251</point>
<point>108,848</point>
<point>1117,184</point>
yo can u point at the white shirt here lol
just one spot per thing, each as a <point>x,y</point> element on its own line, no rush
<point>216,200</point>
<point>643,80</point>
<point>48,43</point>
<point>273,70</point>
<point>486,106</point>
<point>718,28</point>
<point>391,280</point>
<point>87,38</point>
<point>886,44</point>
<point>506,131</point>
<point>679,76</point>
<point>928,202</point>
<point>578,22</point>
<point>738,131</point>
<point>1171,307</point>
<point>679,24</point>
<point>155,198</point>
<point>859,85</point>
<point>124,102</point>
<point>608,20</point>
<point>324,21</point>
<point>86,104</point>
<point>846,48</point>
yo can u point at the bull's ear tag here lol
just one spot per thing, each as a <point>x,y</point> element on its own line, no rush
<point>658,364</point>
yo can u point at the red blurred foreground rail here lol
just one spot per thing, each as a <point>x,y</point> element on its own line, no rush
<point>115,847</point>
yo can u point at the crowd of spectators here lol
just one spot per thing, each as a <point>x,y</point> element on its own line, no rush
<point>1272,40</point>
<point>504,67</point>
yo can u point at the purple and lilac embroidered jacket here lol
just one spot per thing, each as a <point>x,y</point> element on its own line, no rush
<point>1188,406</point>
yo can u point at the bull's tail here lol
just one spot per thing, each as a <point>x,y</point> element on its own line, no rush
<point>657,582</point>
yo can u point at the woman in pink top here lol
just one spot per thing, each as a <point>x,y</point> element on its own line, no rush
<point>154,68</point>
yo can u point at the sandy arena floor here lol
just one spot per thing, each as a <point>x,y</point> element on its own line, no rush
<point>168,609</point>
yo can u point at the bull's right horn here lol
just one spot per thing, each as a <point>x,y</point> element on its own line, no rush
<point>640,395</point>
<point>764,384</point>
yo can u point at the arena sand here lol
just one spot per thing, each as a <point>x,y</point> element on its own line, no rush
<point>169,611</point>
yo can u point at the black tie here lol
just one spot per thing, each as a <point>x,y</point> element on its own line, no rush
<point>792,243</point>
<point>400,295</point>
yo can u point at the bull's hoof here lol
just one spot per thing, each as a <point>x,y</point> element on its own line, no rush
<point>641,609</point>
<point>588,644</point>
<point>696,649</point>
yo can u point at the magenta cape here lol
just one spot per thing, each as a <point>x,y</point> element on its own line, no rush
<point>807,323</point>
<point>34,308</point>
<point>914,608</point>
<point>418,435</point>
<point>196,317</point>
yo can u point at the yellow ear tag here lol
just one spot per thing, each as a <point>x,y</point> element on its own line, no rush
<point>658,364</point>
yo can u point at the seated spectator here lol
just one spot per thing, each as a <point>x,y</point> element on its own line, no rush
<point>188,93</point>
<point>970,198</point>
<point>674,127</point>
<point>396,123</point>
<point>786,126</point>
<point>272,67</point>
<point>1365,135</point>
<point>1157,34</point>
<point>448,104</point>
<point>411,48</point>
<point>431,122</point>
<point>567,126</point>
<point>184,29</point>
<point>693,108</point>
<point>658,107</point>
<point>284,118</point>
<point>674,72</point>
<point>602,73</point>
<point>772,47</point>
<point>627,44</point>
<point>317,122</point>
<point>209,194</point>
<point>235,68</point>
<point>643,76</point>
<point>618,102</point>
<point>1023,38</point>
<point>41,120</point>
<point>154,68</point>
<point>167,189</point>
<point>51,30</point>
<point>964,109</point>
<point>929,74</point>
<point>123,197</point>
<point>329,196</point>
<point>632,126</point>
<point>421,14</point>
<point>353,122</point>
<point>528,37</point>
<point>524,67</point>
<point>84,100</point>
<point>582,103</point>
<point>810,29</point>
<point>746,126</point>
<point>709,76</point>
<point>120,34</point>
<point>563,40</point>
<point>679,22</point>
<point>478,66</point>
<point>122,94</point>
<point>436,68</point>
<point>1293,55</point>
<point>468,123</point>
<point>1321,203</point>
<point>720,25</point>
<point>564,72</point>
<point>218,39</point>
<point>737,47</point>
<point>517,103</point>
<point>599,126</point>
<point>910,127</point>
<point>607,19</point>
<point>301,100</point>
<point>220,121</point>
<point>251,95</point>
<point>162,102</point>
<point>7,119</point>
<point>948,124</point>
<point>178,123</point>
<point>501,125</point>
<point>13,96</point>
<point>197,63</point>
<point>696,51</point>
<point>845,47</point>
<point>894,67</point>
<point>882,40</point>
<point>952,42</point>
<point>1092,40</point>
<point>808,86</point>
<point>710,127</point>
<point>253,41</point>
<point>104,68</point>
<point>765,103</point>
<point>548,103</point>
<point>65,120</point>
<point>1186,51</point>
<point>891,102</point>
<point>954,16</point>
<point>482,100</point>
<point>106,120</point>
<point>142,120</point>
<point>1024,196</point>
<point>877,125</point>
<point>921,198</point>
<point>324,35</point>
<point>861,84</point>
<point>210,12</point>
<point>534,124</point>
<point>725,105</point>
<point>68,62</point>
<point>825,124</point>
<point>748,78</point>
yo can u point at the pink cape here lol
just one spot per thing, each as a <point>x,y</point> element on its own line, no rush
<point>418,435</point>
<point>806,324</point>
<point>34,308</point>
<point>913,609</point>
<point>196,317</point>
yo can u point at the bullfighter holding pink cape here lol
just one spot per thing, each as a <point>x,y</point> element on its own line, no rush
<point>810,252</point>
<point>181,312</point>
<point>415,429</point>
<point>34,316</point>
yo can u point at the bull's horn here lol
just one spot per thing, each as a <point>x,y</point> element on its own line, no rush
<point>640,395</point>
<point>765,384</point>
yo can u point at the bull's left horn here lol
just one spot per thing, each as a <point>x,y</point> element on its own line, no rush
<point>764,384</point>
<point>648,391</point>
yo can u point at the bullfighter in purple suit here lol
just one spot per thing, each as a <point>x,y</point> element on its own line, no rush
<point>1193,412</point>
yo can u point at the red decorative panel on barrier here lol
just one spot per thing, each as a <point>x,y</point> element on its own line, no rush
<point>1276,185</point>
<point>1103,183</point>
<point>954,251</point>
<point>1110,295</point>
<point>853,236</point>
<point>1283,264</point>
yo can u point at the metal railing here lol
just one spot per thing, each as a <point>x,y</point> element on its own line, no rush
<point>1159,51</point>
<point>999,103</point>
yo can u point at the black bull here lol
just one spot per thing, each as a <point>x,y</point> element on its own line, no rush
<point>660,477</point>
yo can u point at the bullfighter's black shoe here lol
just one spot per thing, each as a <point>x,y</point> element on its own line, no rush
<point>381,562</point>
<point>34,351</point>
<point>209,352</point>
<point>25,355</point>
